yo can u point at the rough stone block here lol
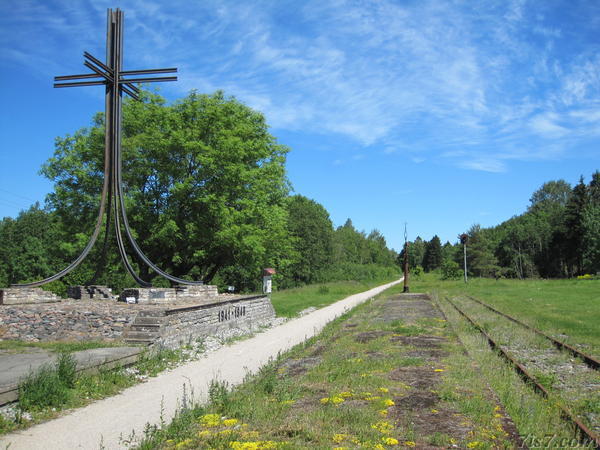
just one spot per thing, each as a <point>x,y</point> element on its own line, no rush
<point>16,296</point>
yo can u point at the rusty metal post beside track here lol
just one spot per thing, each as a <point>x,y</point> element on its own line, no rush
<point>406,288</point>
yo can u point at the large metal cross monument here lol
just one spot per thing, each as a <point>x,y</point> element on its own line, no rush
<point>117,82</point>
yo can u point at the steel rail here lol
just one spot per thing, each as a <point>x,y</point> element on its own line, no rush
<point>516,436</point>
<point>566,413</point>
<point>589,360</point>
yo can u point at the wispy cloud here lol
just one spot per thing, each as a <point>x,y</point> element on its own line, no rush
<point>480,84</point>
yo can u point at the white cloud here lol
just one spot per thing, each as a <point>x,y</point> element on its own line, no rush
<point>545,125</point>
<point>480,84</point>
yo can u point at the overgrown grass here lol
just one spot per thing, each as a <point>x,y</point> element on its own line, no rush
<point>53,388</point>
<point>566,309</point>
<point>337,390</point>
<point>49,386</point>
<point>289,302</point>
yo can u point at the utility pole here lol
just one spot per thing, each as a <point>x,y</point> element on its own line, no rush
<point>463,239</point>
<point>406,288</point>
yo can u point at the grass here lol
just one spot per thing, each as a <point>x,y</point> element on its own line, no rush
<point>289,302</point>
<point>15,346</point>
<point>566,309</point>
<point>55,388</point>
<point>337,390</point>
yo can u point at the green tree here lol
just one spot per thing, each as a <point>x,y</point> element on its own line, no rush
<point>548,208</point>
<point>482,261</point>
<point>205,187</point>
<point>433,254</point>
<point>574,227</point>
<point>591,227</point>
<point>310,226</point>
<point>29,246</point>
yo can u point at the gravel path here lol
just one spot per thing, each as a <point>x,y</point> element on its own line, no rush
<point>104,423</point>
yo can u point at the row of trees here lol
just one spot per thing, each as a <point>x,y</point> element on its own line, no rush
<point>207,197</point>
<point>558,236</point>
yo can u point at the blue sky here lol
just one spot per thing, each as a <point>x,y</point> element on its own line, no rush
<point>441,114</point>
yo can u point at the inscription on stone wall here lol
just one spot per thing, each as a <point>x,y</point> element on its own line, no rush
<point>231,313</point>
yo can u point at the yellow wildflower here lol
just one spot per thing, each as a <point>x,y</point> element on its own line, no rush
<point>497,416</point>
<point>379,447</point>
<point>438,370</point>
<point>374,397</point>
<point>210,420</point>
<point>389,441</point>
<point>184,443</point>
<point>325,400</point>
<point>434,411</point>
<point>337,438</point>
<point>382,427</point>
<point>337,399</point>
<point>346,394</point>
<point>230,422</point>
<point>388,402</point>
<point>410,443</point>
<point>383,412</point>
<point>288,402</point>
<point>225,432</point>
<point>474,444</point>
<point>384,390</point>
<point>204,434</point>
<point>340,448</point>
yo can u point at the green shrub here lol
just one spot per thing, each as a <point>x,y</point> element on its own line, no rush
<point>323,290</point>
<point>450,270</point>
<point>66,369</point>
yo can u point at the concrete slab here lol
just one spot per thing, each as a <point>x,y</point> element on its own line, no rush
<point>16,366</point>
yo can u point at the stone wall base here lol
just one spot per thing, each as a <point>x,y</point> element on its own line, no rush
<point>17,296</point>
<point>202,293</point>
<point>90,293</point>
<point>185,325</point>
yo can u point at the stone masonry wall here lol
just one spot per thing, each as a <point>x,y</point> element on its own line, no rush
<point>17,296</point>
<point>184,325</point>
<point>66,320</point>
<point>102,320</point>
<point>201,293</point>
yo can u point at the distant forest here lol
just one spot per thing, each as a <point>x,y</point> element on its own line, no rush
<point>207,196</point>
<point>557,237</point>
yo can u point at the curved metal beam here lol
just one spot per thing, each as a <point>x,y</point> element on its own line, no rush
<point>93,238</point>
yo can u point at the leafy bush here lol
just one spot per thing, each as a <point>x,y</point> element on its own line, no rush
<point>417,271</point>
<point>450,270</point>
<point>66,369</point>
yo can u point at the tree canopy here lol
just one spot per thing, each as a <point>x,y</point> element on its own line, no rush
<point>206,195</point>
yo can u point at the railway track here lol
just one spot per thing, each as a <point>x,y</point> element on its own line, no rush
<point>586,434</point>
<point>590,361</point>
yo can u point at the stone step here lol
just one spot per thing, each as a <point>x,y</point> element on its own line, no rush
<point>140,341</point>
<point>143,335</point>
<point>152,313</point>
<point>158,321</point>
<point>146,328</point>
